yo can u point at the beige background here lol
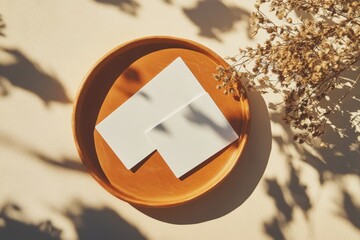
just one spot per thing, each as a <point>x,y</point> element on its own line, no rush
<point>279,190</point>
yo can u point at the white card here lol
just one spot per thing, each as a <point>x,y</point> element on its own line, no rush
<point>192,135</point>
<point>123,130</point>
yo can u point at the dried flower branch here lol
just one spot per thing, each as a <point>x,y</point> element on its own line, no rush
<point>302,59</point>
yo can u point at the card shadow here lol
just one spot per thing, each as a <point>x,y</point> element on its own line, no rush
<point>237,186</point>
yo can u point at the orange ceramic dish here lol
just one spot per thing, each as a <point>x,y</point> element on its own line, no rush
<point>114,79</point>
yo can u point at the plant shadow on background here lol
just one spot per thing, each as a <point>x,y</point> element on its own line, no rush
<point>24,73</point>
<point>2,27</point>
<point>341,159</point>
<point>63,162</point>
<point>89,223</point>
<point>12,227</point>
<point>350,210</point>
<point>213,17</point>
<point>130,7</point>
<point>100,223</point>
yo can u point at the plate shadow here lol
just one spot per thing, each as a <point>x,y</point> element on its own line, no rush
<point>238,185</point>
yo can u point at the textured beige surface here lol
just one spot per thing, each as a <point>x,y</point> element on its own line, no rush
<point>47,49</point>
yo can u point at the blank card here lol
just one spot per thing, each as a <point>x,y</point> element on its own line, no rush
<point>192,135</point>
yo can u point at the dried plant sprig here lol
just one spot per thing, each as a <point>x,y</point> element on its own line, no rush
<point>302,59</point>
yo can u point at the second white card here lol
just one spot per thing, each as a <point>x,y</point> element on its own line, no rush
<point>192,135</point>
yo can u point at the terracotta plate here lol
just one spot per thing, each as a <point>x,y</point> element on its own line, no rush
<point>114,79</point>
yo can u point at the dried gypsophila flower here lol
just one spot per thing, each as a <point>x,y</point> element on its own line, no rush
<point>302,60</point>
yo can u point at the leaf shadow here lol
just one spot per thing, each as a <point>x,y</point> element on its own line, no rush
<point>64,163</point>
<point>213,17</point>
<point>298,190</point>
<point>100,223</point>
<point>275,191</point>
<point>273,229</point>
<point>287,197</point>
<point>130,7</point>
<point>349,210</point>
<point>90,223</point>
<point>27,75</point>
<point>168,1</point>
<point>13,227</point>
<point>200,117</point>
<point>2,26</point>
